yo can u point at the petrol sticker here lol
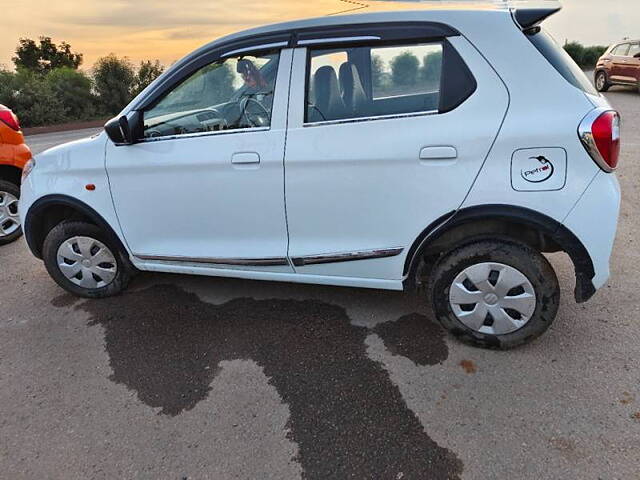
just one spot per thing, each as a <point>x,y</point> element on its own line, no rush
<point>538,169</point>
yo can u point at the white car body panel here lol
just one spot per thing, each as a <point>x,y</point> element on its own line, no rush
<point>361,185</point>
<point>184,198</point>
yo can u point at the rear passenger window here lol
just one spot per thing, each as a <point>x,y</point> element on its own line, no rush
<point>374,81</point>
<point>634,50</point>
<point>621,50</point>
<point>402,71</point>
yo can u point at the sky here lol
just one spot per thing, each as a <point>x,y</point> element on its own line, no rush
<point>169,29</point>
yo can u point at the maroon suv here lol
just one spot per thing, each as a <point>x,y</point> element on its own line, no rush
<point>620,65</point>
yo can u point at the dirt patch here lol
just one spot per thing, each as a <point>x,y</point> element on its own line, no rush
<point>468,366</point>
<point>347,417</point>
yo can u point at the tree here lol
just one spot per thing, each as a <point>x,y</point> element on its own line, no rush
<point>377,71</point>
<point>45,56</point>
<point>114,80</point>
<point>7,87</point>
<point>404,69</point>
<point>147,73</point>
<point>432,67</point>
<point>73,89</point>
<point>576,51</point>
<point>34,101</point>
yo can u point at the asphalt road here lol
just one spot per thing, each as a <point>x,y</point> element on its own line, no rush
<point>189,377</point>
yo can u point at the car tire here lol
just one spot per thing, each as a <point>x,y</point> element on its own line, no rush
<point>9,219</point>
<point>602,81</point>
<point>85,261</point>
<point>520,293</point>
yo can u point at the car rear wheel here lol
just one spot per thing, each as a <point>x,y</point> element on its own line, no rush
<point>602,82</point>
<point>10,227</point>
<point>495,294</point>
<point>86,262</point>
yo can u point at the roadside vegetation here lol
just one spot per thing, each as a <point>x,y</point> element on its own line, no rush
<point>48,87</point>
<point>585,57</point>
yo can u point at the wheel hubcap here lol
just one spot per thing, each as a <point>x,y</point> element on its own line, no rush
<point>492,298</point>
<point>600,81</point>
<point>86,262</point>
<point>9,218</point>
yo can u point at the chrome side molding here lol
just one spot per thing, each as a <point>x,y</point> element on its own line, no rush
<point>281,261</point>
<point>346,257</point>
<point>240,262</point>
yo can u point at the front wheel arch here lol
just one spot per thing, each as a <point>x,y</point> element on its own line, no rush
<point>533,228</point>
<point>48,212</point>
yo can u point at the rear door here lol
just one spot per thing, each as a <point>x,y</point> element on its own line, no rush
<point>633,71</point>
<point>383,140</point>
<point>619,63</point>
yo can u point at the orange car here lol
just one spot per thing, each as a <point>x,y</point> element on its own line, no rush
<point>14,154</point>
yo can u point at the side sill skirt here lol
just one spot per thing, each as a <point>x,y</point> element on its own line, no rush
<point>280,261</point>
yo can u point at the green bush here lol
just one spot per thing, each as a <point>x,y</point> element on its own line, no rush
<point>585,57</point>
<point>114,82</point>
<point>73,89</point>
<point>35,102</point>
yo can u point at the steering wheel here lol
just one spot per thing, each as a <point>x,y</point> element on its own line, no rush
<point>259,117</point>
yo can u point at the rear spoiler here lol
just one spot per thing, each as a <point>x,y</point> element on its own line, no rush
<point>531,17</point>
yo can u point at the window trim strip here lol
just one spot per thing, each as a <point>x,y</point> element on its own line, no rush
<point>425,113</point>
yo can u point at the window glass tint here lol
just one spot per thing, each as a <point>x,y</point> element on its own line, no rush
<point>230,94</point>
<point>634,50</point>
<point>561,61</point>
<point>621,50</point>
<point>373,81</point>
<point>398,71</point>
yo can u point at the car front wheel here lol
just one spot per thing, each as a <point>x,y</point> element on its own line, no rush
<point>495,293</point>
<point>10,228</point>
<point>85,261</point>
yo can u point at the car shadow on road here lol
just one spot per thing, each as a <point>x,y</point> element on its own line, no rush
<point>346,415</point>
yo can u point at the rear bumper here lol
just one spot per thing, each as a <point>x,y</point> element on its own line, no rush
<point>594,221</point>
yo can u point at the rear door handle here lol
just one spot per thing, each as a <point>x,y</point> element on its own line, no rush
<point>438,153</point>
<point>245,158</point>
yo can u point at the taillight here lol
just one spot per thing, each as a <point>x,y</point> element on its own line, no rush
<point>8,117</point>
<point>600,134</point>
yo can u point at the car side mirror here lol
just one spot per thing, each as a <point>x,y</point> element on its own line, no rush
<point>637,55</point>
<point>126,129</point>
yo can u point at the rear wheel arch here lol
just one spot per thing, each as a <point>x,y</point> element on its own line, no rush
<point>537,230</point>
<point>48,212</point>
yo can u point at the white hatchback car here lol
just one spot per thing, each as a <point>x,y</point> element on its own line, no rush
<point>409,145</point>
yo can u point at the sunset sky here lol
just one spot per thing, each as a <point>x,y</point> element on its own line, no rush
<point>169,29</point>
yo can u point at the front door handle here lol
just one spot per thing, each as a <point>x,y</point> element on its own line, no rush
<point>245,158</point>
<point>438,153</point>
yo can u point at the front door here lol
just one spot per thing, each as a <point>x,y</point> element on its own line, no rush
<point>205,184</point>
<point>380,146</point>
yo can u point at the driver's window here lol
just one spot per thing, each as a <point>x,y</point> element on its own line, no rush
<point>233,93</point>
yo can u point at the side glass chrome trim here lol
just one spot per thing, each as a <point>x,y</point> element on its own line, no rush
<point>347,256</point>
<point>370,119</point>
<point>256,48</point>
<point>318,41</point>
<point>242,262</point>
<point>586,136</point>
<point>204,134</point>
